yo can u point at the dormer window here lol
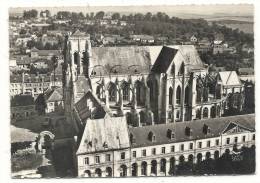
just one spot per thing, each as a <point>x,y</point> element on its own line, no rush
<point>151,136</point>
<point>90,143</point>
<point>188,131</point>
<point>206,129</point>
<point>105,145</point>
<point>132,139</point>
<point>170,134</point>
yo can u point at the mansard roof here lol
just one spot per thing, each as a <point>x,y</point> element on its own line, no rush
<point>217,127</point>
<point>104,134</point>
<point>229,78</point>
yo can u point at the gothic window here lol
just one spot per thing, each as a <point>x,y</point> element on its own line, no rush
<point>181,71</point>
<point>112,92</point>
<point>198,114</point>
<point>178,114</point>
<point>126,91</point>
<point>142,116</point>
<point>205,112</point>
<point>139,93</point>
<point>178,95</point>
<point>170,95</point>
<point>100,92</point>
<point>213,112</point>
<point>76,57</point>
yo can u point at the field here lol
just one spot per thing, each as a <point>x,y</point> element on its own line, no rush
<point>245,27</point>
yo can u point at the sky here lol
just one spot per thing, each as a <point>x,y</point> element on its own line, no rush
<point>171,10</point>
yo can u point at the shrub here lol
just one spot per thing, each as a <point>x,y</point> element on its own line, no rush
<point>25,159</point>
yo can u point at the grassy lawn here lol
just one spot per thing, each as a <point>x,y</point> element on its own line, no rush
<point>25,159</point>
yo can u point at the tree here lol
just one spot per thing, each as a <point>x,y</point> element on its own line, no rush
<point>54,65</point>
<point>81,15</point>
<point>48,46</point>
<point>148,16</point>
<point>116,16</point>
<point>30,14</point>
<point>63,15</point>
<point>100,15</point>
<point>92,15</point>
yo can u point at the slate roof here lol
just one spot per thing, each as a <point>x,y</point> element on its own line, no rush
<point>82,108</point>
<point>22,100</point>
<point>164,60</point>
<point>53,94</point>
<point>104,134</point>
<point>216,125</point>
<point>123,57</point>
<point>229,78</point>
<point>166,57</point>
<point>78,33</point>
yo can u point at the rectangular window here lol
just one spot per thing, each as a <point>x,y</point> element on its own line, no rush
<point>143,152</point>
<point>163,150</point>
<point>236,139</point>
<point>228,141</point>
<point>182,147</point>
<point>208,143</point>
<point>199,144</point>
<point>244,138</point>
<point>191,145</point>
<point>123,155</point>
<point>172,148</point>
<point>108,157</point>
<point>134,154</point>
<point>253,138</point>
<point>97,159</point>
<point>86,161</point>
<point>217,142</point>
<point>153,151</point>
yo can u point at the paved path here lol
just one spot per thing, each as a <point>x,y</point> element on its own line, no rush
<point>47,169</point>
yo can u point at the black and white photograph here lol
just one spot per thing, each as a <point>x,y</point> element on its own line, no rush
<point>131,91</point>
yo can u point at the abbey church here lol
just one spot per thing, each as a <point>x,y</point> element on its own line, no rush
<point>126,101</point>
<point>147,84</point>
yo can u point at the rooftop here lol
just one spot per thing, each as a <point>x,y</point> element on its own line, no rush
<point>229,78</point>
<point>217,126</point>
<point>104,134</point>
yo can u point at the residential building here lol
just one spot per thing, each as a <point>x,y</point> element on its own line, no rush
<point>50,101</point>
<point>32,84</point>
